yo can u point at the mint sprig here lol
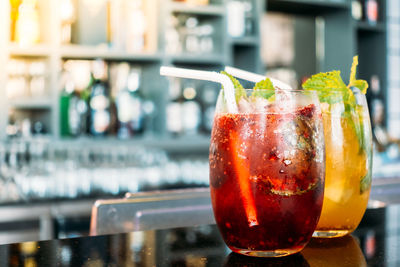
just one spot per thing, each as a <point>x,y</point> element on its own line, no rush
<point>331,89</point>
<point>239,90</point>
<point>264,89</point>
<point>360,84</point>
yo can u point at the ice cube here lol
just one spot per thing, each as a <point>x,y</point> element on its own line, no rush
<point>260,105</point>
<point>244,106</point>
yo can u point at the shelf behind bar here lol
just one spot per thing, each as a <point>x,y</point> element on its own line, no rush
<point>194,143</point>
<point>302,7</point>
<point>210,10</point>
<point>39,50</point>
<point>368,27</point>
<point>90,52</point>
<point>35,103</point>
<point>212,59</point>
<point>245,41</point>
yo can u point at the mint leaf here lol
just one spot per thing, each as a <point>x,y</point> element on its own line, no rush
<point>239,90</point>
<point>264,84</point>
<point>365,182</point>
<point>325,81</point>
<point>360,84</point>
<point>264,89</point>
<point>327,85</point>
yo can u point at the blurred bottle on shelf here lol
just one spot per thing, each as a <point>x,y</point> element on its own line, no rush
<point>129,102</point>
<point>26,128</point>
<point>189,34</point>
<point>74,107</point>
<point>371,11</point>
<point>14,5</point>
<point>77,110</point>
<point>37,72</point>
<point>64,108</point>
<point>91,15</point>
<point>375,84</point>
<point>136,100</point>
<point>236,19</point>
<point>240,18</point>
<point>206,40</point>
<point>24,125</point>
<point>12,128</point>
<point>99,101</point>
<point>249,18</point>
<point>357,9</point>
<point>27,26</point>
<point>67,17</point>
<point>173,45</point>
<point>135,27</point>
<point>74,99</point>
<point>174,122</point>
<point>191,111</point>
<point>192,42</point>
<point>26,78</point>
<point>131,25</point>
<point>208,99</point>
<point>184,110</point>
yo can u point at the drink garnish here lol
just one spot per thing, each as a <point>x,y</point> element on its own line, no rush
<point>243,172</point>
<point>264,89</point>
<point>327,84</point>
<point>365,182</point>
<point>239,90</point>
<point>362,85</point>
<point>264,84</point>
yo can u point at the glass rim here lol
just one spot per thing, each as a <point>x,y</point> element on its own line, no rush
<point>336,90</point>
<point>285,90</point>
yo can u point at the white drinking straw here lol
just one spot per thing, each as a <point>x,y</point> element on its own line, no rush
<point>229,90</point>
<point>253,77</point>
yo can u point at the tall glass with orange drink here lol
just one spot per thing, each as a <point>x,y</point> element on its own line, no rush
<point>348,144</point>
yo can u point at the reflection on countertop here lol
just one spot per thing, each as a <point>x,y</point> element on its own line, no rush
<point>375,243</point>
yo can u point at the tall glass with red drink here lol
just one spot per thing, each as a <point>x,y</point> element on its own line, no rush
<point>267,171</point>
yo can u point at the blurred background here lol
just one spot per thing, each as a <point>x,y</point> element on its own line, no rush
<point>84,113</point>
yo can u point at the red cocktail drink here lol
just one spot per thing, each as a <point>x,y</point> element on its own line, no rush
<point>266,178</point>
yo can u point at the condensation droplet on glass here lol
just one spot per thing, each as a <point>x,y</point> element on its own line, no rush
<point>253,178</point>
<point>287,162</point>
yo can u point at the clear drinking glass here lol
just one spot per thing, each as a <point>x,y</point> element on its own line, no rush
<point>267,171</point>
<point>348,142</point>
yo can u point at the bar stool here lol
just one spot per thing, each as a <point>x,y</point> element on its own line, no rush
<point>152,210</point>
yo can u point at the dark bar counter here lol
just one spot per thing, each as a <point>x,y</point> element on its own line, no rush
<point>375,243</point>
